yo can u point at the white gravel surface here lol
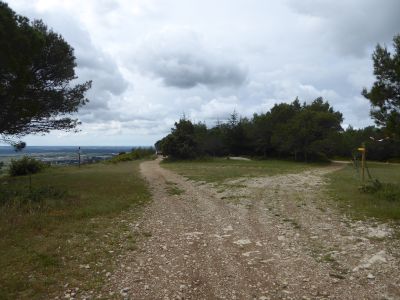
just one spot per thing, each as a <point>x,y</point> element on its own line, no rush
<point>260,238</point>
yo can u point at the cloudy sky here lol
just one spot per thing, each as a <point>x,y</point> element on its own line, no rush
<point>151,61</point>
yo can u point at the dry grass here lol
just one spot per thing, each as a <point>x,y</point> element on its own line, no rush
<point>217,170</point>
<point>69,241</point>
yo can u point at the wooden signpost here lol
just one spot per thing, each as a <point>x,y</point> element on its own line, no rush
<point>79,157</point>
<point>362,150</point>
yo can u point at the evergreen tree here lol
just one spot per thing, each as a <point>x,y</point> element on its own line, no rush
<point>180,143</point>
<point>384,95</point>
<point>36,71</point>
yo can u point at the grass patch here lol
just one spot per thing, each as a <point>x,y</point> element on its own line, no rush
<point>173,189</point>
<point>328,258</point>
<point>72,237</point>
<point>384,205</point>
<point>234,199</point>
<point>217,170</point>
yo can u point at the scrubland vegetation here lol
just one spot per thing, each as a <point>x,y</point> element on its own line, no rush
<point>377,199</point>
<point>135,154</point>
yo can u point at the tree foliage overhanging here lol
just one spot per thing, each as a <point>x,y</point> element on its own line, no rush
<point>297,131</point>
<point>36,71</point>
<point>385,92</point>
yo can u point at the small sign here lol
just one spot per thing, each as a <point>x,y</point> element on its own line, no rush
<point>361,149</point>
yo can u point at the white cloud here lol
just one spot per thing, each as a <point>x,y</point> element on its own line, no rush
<point>153,61</point>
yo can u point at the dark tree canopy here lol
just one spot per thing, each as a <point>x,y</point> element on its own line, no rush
<point>385,92</point>
<point>36,71</point>
<point>180,143</point>
<point>378,147</point>
<point>303,132</point>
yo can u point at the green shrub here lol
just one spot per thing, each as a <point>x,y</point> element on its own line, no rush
<point>386,191</point>
<point>143,152</point>
<point>371,187</point>
<point>135,154</point>
<point>122,157</point>
<point>25,166</point>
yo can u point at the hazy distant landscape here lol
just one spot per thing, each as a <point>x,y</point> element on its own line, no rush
<point>63,155</point>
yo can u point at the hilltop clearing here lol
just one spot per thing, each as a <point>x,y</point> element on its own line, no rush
<point>264,237</point>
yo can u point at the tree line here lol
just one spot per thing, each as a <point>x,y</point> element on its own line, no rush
<point>302,132</point>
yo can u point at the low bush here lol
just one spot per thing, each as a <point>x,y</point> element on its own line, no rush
<point>385,191</point>
<point>135,154</point>
<point>371,186</point>
<point>122,157</point>
<point>25,166</point>
<point>143,152</point>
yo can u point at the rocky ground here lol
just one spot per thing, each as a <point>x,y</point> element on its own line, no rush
<point>260,238</point>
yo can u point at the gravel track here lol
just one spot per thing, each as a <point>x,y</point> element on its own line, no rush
<point>271,237</point>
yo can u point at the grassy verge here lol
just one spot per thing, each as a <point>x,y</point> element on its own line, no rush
<point>217,170</point>
<point>344,187</point>
<point>68,242</point>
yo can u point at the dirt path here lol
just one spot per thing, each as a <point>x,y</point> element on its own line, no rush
<point>260,238</point>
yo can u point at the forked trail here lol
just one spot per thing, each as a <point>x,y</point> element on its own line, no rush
<point>260,238</point>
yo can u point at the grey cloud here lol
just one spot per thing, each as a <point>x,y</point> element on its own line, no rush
<point>113,83</point>
<point>96,65</point>
<point>187,71</point>
<point>100,114</point>
<point>122,111</point>
<point>353,26</point>
<point>180,59</point>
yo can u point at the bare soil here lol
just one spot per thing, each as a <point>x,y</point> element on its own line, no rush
<point>276,237</point>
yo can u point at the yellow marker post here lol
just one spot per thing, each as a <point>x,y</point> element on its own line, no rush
<point>362,150</point>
